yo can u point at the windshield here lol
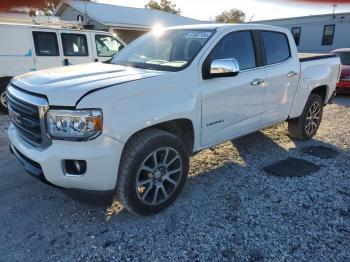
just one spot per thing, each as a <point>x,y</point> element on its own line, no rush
<point>345,58</point>
<point>170,50</point>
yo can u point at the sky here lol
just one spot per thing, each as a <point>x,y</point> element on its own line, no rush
<point>254,9</point>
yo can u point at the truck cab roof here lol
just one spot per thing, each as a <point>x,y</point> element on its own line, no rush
<point>223,27</point>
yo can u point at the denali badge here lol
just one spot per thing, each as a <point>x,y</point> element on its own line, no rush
<point>216,122</point>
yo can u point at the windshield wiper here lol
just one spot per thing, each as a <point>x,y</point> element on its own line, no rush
<point>108,61</point>
<point>147,67</point>
<point>137,66</point>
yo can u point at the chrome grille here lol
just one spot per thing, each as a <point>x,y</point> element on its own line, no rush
<point>27,113</point>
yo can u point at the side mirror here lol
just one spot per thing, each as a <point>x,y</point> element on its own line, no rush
<point>120,48</point>
<point>223,68</point>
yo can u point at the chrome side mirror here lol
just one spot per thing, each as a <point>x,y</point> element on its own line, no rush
<point>223,68</point>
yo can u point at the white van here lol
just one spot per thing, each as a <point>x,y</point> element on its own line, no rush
<point>30,47</point>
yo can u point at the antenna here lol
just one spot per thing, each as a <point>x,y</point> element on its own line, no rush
<point>251,18</point>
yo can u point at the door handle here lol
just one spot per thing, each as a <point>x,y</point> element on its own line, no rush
<point>257,82</point>
<point>292,73</point>
<point>65,62</point>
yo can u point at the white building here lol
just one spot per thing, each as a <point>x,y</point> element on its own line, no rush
<point>127,22</point>
<point>317,33</point>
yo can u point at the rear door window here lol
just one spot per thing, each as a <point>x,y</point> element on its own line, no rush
<point>45,43</point>
<point>74,44</point>
<point>276,47</point>
<point>296,31</point>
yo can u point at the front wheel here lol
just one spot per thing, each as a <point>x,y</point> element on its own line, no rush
<point>306,126</point>
<point>152,172</point>
<point>3,99</point>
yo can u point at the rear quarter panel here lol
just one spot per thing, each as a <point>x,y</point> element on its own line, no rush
<point>315,73</point>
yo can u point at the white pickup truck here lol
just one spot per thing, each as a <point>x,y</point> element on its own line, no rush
<point>129,126</point>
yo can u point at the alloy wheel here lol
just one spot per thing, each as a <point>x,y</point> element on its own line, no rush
<point>158,176</point>
<point>313,118</point>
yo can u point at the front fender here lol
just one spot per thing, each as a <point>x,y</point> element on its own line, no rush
<point>136,113</point>
<point>131,107</point>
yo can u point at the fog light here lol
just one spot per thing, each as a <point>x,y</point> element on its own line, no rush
<point>74,167</point>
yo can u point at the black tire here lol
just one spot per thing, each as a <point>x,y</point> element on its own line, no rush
<point>135,155</point>
<point>3,107</point>
<point>299,128</point>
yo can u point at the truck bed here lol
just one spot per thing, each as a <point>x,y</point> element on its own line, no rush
<point>314,56</point>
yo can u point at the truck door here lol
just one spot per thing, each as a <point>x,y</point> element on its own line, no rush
<point>76,47</point>
<point>232,105</point>
<point>282,75</point>
<point>104,46</point>
<point>47,53</point>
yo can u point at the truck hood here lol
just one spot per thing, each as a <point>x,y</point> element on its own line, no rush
<point>64,86</point>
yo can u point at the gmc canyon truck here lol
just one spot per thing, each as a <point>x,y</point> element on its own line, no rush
<point>128,127</point>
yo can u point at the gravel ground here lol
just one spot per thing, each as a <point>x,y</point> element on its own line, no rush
<point>4,123</point>
<point>230,209</point>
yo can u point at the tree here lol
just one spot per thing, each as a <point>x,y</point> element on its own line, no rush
<point>231,16</point>
<point>44,7</point>
<point>164,5</point>
<point>47,7</point>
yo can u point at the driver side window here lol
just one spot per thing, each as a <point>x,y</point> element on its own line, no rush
<point>238,45</point>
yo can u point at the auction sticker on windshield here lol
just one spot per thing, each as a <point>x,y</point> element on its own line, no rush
<point>203,35</point>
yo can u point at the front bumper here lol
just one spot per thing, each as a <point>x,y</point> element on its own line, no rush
<point>102,157</point>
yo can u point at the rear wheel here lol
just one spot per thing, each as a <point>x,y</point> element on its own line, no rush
<point>306,126</point>
<point>153,171</point>
<point>3,99</point>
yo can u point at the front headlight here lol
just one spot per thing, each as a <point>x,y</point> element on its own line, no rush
<point>82,124</point>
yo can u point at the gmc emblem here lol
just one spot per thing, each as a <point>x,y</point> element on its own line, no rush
<point>15,117</point>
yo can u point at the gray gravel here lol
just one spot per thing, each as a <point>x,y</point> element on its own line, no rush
<point>230,209</point>
<point>4,123</point>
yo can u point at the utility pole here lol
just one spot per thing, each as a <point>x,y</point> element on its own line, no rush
<point>334,7</point>
<point>86,17</point>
